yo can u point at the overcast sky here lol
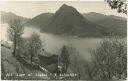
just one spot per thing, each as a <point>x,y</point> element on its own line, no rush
<point>31,9</point>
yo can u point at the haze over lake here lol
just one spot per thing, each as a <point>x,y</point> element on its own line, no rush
<point>53,43</point>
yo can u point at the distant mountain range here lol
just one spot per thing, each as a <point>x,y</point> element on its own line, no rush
<point>93,16</point>
<point>113,24</point>
<point>68,21</point>
<point>9,16</point>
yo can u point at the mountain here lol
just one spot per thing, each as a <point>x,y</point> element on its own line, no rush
<point>113,24</point>
<point>8,16</point>
<point>40,20</point>
<point>93,16</point>
<point>68,21</point>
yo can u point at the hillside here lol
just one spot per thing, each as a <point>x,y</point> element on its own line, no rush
<point>93,16</point>
<point>40,20</point>
<point>8,16</point>
<point>113,24</point>
<point>10,64</point>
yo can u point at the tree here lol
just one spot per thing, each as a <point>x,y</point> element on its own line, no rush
<point>120,5</point>
<point>64,58</point>
<point>24,48</point>
<point>15,31</point>
<point>78,64</point>
<point>110,59</point>
<point>35,45</point>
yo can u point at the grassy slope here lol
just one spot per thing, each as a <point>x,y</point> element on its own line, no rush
<point>11,65</point>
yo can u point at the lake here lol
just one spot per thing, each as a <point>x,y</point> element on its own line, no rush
<point>53,43</point>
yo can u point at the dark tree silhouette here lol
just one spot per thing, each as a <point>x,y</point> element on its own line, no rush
<point>64,59</point>
<point>35,45</point>
<point>120,5</point>
<point>15,31</point>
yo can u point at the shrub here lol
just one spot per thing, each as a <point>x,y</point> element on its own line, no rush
<point>110,59</point>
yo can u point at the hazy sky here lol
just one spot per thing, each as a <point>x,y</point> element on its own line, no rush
<point>30,9</point>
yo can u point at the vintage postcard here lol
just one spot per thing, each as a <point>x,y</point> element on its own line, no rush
<point>64,40</point>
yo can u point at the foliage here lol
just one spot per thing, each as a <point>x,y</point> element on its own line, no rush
<point>110,59</point>
<point>15,31</point>
<point>64,58</point>
<point>31,47</point>
<point>35,45</point>
<point>23,48</point>
<point>78,64</point>
<point>120,5</point>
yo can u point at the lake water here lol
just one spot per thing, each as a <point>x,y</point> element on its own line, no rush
<point>53,43</point>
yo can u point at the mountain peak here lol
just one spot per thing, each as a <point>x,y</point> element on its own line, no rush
<point>66,8</point>
<point>64,5</point>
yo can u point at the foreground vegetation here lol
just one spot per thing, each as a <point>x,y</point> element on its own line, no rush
<point>109,61</point>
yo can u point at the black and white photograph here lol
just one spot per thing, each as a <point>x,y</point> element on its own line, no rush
<point>64,40</point>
